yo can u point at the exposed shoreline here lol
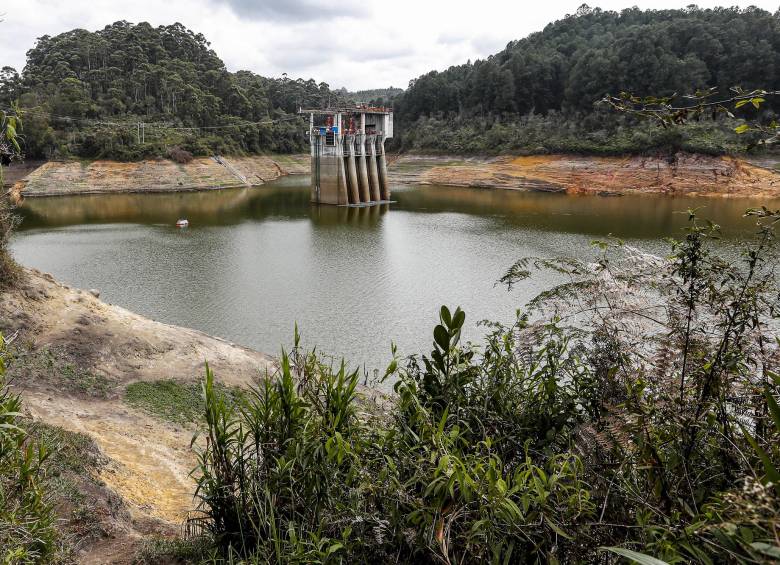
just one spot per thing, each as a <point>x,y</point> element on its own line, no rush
<point>681,174</point>
<point>98,349</point>
<point>65,178</point>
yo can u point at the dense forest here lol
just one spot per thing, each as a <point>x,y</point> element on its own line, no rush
<point>84,94</point>
<point>87,94</point>
<point>373,97</point>
<point>541,93</point>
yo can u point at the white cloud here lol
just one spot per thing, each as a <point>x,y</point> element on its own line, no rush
<point>352,43</point>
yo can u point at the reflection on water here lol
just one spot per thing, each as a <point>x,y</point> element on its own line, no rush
<point>636,216</point>
<point>254,261</point>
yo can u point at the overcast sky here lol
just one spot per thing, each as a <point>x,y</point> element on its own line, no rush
<point>353,43</point>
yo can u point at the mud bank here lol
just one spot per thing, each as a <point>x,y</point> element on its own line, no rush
<point>684,174</point>
<point>55,178</point>
<point>98,350</point>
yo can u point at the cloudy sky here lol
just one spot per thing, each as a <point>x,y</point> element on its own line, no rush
<point>353,43</point>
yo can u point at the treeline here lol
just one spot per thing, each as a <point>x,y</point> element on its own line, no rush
<point>373,96</point>
<point>553,79</point>
<point>84,93</point>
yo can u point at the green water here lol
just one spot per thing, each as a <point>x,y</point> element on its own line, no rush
<point>255,261</point>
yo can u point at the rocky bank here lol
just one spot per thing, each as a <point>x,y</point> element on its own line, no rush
<point>681,174</point>
<point>60,178</point>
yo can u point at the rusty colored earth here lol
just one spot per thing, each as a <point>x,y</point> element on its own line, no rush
<point>682,174</point>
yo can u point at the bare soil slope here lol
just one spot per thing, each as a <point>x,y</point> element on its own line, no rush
<point>56,178</point>
<point>684,174</point>
<point>98,350</point>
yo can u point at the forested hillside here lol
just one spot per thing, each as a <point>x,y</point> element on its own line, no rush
<point>84,94</point>
<point>373,97</point>
<point>538,94</point>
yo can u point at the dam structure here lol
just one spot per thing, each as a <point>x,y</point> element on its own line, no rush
<point>348,164</point>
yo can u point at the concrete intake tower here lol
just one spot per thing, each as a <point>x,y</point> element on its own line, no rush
<point>348,165</point>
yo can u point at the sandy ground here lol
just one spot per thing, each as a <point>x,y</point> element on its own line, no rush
<point>683,174</point>
<point>149,459</point>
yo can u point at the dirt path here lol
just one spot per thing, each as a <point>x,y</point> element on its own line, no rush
<point>150,460</point>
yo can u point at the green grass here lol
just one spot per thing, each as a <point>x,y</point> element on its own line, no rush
<point>163,550</point>
<point>70,451</point>
<point>85,381</point>
<point>180,403</point>
<point>50,366</point>
<point>176,402</point>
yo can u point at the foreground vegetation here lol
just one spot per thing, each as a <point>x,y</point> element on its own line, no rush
<point>9,149</point>
<point>643,417</point>
<point>51,504</point>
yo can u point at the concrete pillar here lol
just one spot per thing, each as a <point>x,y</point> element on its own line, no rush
<point>373,174</point>
<point>343,194</point>
<point>384,187</point>
<point>352,181</point>
<point>316,150</point>
<point>365,192</point>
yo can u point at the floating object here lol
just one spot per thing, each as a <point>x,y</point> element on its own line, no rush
<point>182,223</point>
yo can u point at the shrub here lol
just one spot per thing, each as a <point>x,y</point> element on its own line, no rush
<point>9,270</point>
<point>303,470</point>
<point>10,123</point>
<point>179,155</point>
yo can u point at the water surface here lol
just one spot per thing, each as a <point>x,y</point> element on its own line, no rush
<point>255,261</point>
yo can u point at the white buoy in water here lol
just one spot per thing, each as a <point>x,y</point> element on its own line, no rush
<point>182,223</point>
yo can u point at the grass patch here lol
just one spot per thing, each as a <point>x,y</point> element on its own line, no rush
<point>162,550</point>
<point>70,451</point>
<point>50,366</point>
<point>180,403</point>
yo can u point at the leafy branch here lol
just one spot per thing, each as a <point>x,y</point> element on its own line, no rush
<point>703,103</point>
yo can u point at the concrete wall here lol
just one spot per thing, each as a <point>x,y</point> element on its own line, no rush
<point>332,181</point>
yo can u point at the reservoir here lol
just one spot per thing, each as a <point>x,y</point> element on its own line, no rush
<point>255,261</point>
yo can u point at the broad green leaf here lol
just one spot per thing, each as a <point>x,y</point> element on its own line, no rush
<point>444,313</point>
<point>774,409</point>
<point>557,529</point>
<point>635,556</point>
<point>460,317</point>
<point>742,129</point>
<point>442,337</point>
<point>766,549</point>
<point>772,474</point>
